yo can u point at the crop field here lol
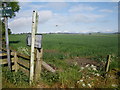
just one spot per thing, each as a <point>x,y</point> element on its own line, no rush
<point>70,54</point>
<point>72,45</point>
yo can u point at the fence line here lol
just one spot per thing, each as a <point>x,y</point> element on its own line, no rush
<point>24,64</point>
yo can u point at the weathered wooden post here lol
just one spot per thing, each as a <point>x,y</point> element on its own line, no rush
<point>32,46</point>
<point>38,64</point>
<point>107,63</point>
<point>6,35</point>
<point>15,61</point>
<point>34,40</point>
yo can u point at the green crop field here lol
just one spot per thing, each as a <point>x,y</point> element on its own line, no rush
<point>62,46</point>
<point>66,46</point>
<point>59,50</point>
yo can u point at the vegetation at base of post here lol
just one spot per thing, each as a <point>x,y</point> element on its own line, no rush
<point>14,79</point>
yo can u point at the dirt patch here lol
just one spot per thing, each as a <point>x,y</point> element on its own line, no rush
<point>83,62</point>
<point>41,85</point>
<point>51,51</point>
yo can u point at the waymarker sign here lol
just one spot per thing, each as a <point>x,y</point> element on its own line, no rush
<point>38,40</point>
<point>6,12</point>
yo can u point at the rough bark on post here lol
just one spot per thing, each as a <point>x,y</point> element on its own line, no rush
<point>38,64</point>
<point>15,61</point>
<point>108,63</point>
<point>32,46</point>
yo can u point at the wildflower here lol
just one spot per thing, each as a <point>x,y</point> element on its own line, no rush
<point>94,69</point>
<point>114,85</point>
<point>81,80</point>
<point>97,74</point>
<point>78,81</point>
<point>89,68</point>
<point>75,63</point>
<point>83,85</point>
<point>87,76</point>
<point>87,65</point>
<point>89,85</point>
<point>92,66</point>
<point>82,68</point>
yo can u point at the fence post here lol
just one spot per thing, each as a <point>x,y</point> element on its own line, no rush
<point>38,64</point>
<point>107,63</point>
<point>15,61</point>
<point>34,30</point>
<point>7,40</point>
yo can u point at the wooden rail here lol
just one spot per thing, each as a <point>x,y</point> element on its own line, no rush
<point>22,62</point>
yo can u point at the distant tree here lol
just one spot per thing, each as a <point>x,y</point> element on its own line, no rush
<point>98,32</point>
<point>90,33</point>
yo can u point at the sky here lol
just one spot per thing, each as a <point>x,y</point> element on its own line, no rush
<point>73,17</point>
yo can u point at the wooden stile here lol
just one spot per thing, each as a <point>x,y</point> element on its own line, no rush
<point>4,61</point>
<point>24,63</point>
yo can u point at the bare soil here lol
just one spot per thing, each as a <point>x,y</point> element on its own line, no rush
<point>84,61</point>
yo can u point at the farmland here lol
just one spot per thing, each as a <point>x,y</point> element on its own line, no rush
<point>62,46</point>
<point>73,45</point>
<point>64,51</point>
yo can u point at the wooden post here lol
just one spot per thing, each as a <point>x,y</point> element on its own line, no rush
<point>108,63</point>
<point>48,67</point>
<point>38,64</point>
<point>7,40</point>
<point>15,61</point>
<point>32,48</point>
<point>34,30</point>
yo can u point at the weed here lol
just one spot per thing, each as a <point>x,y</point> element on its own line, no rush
<point>17,78</point>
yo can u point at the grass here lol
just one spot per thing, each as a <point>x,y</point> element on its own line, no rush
<point>59,47</point>
<point>14,79</point>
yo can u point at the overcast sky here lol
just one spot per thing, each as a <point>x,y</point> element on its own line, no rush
<point>80,17</point>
